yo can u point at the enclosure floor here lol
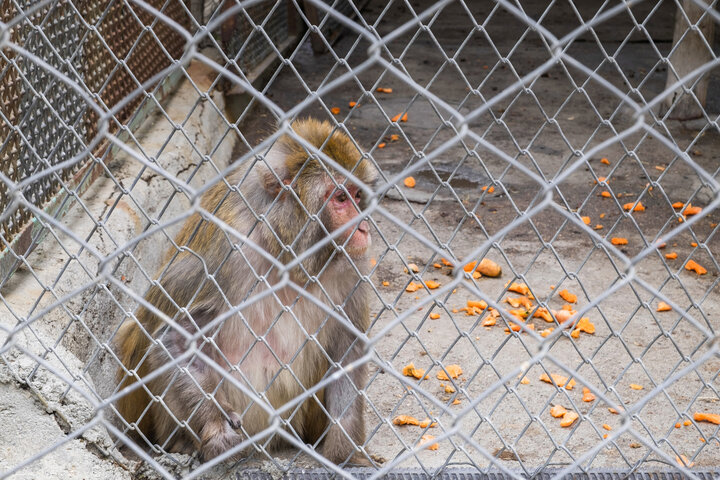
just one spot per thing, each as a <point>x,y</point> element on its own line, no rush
<point>508,419</point>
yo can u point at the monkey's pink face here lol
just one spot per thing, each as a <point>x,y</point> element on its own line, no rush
<point>343,208</point>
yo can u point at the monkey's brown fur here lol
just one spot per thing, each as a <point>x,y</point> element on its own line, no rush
<point>264,342</point>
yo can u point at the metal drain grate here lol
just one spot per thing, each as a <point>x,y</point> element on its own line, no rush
<point>470,474</point>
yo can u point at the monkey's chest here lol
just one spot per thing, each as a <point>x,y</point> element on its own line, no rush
<point>274,343</point>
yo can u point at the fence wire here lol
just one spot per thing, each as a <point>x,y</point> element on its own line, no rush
<point>542,285</point>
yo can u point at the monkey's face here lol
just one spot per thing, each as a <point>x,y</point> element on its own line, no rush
<point>345,207</point>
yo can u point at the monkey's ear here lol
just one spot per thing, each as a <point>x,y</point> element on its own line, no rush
<point>272,173</point>
<point>270,182</point>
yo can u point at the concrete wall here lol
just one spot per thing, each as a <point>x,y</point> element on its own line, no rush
<point>56,371</point>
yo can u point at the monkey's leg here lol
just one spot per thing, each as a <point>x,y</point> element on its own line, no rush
<point>195,396</point>
<point>345,406</point>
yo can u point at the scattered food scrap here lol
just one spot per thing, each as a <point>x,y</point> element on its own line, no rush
<point>405,420</point>
<point>428,423</point>
<point>568,419</point>
<point>707,417</point>
<point>488,189</point>
<point>400,117</point>
<point>454,371</point>
<point>489,268</point>
<point>479,304</point>
<point>586,220</point>
<point>409,182</point>
<point>409,370</point>
<point>618,241</point>
<point>607,427</point>
<point>557,411</point>
<point>605,161</point>
<point>516,302</point>
<point>671,256</point>
<point>683,461</point>
<point>559,380</point>
<point>413,287</point>
<point>448,388</point>
<point>385,284</point>
<point>431,284</point>
<point>434,316</point>
<point>613,411</point>
<point>335,110</point>
<point>381,145</point>
<point>584,325</point>
<point>605,194</point>
<point>546,332</point>
<point>678,205</point>
<point>690,210</point>
<point>563,316</point>
<point>635,386</point>
<point>352,104</point>
<point>693,266</point>
<point>543,313</point>
<point>446,262</point>
<point>427,439</point>
<point>664,307</point>
<point>567,296</point>
<point>383,90</point>
<point>489,322</point>
<point>522,289</point>
<point>414,268</point>
<point>639,207</point>
<point>588,396</point>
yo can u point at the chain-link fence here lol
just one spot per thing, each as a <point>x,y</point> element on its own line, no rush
<point>359,239</point>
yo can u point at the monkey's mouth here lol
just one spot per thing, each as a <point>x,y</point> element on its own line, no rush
<point>360,240</point>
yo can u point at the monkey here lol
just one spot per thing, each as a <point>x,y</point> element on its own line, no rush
<point>277,346</point>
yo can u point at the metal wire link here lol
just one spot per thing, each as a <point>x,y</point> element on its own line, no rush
<point>572,146</point>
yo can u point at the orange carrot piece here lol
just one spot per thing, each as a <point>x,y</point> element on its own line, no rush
<point>558,411</point>
<point>691,265</point>
<point>405,420</point>
<point>568,419</point>
<point>663,307</point>
<point>707,417</point>
<point>454,371</point>
<point>567,296</point>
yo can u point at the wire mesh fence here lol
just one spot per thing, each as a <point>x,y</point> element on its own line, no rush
<point>281,236</point>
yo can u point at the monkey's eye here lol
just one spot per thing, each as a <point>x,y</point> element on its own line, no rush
<point>358,196</point>
<point>341,197</point>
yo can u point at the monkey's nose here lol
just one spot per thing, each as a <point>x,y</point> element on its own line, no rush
<point>364,227</point>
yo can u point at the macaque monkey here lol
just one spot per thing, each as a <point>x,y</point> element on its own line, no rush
<point>277,346</point>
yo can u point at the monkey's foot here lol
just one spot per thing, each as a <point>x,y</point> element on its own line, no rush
<point>218,438</point>
<point>359,460</point>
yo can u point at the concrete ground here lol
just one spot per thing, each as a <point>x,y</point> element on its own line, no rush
<point>496,416</point>
<point>632,344</point>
